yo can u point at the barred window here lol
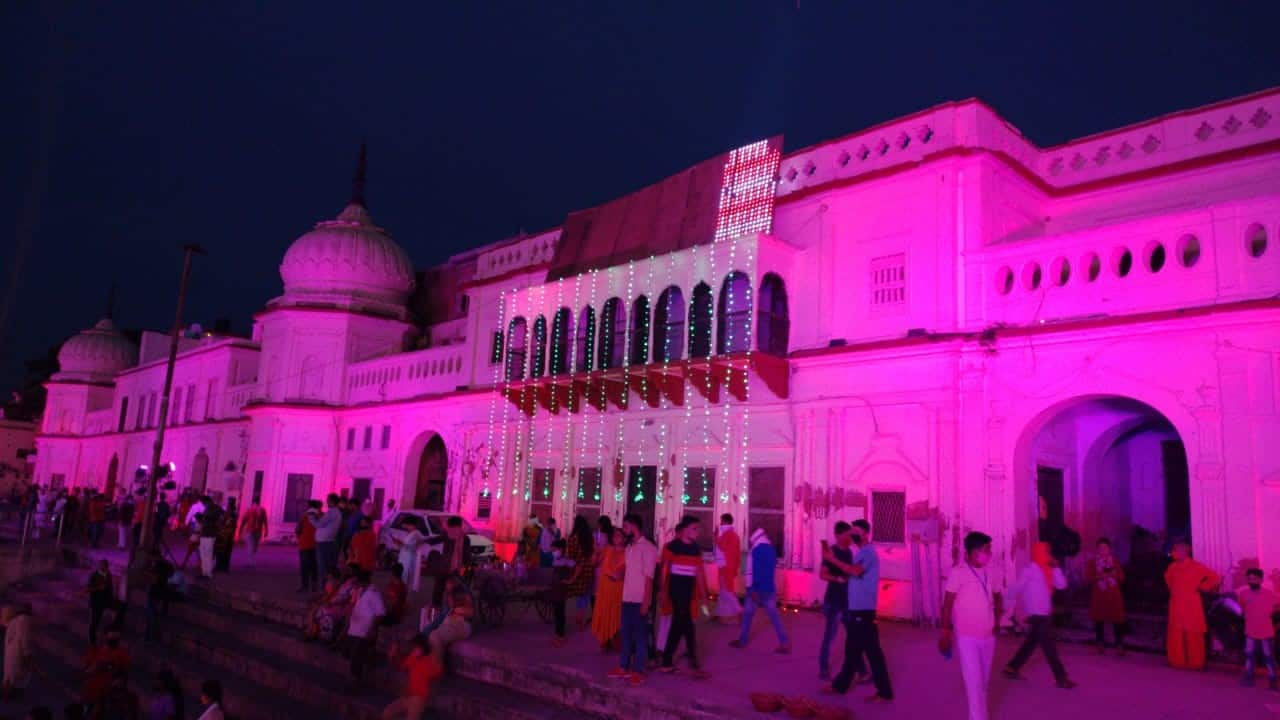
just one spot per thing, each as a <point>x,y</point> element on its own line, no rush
<point>699,500</point>
<point>888,516</point>
<point>766,506</point>
<point>484,506</point>
<point>889,282</point>
<point>543,496</point>
<point>587,503</point>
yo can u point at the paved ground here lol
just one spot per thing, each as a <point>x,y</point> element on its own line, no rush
<point>1137,687</point>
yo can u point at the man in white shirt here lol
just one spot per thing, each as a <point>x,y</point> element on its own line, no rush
<point>970,610</point>
<point>1033,594</point>
<point>637,595</point>
<point>362,627</point>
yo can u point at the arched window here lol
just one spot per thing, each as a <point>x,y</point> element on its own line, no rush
<point>613,334</point>
<point>539,348</point>
<point>585,340</point>
<point>733,316</point>
<point>668,326</point>
<point>640,331</point>
<point>773,325</point>
<point>700,322</point>
<point>517,334</point>
<point>561,327</point>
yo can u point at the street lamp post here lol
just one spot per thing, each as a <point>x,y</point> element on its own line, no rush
<point>147,538</point>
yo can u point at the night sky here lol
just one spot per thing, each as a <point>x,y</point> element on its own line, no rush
<point>133,128</point>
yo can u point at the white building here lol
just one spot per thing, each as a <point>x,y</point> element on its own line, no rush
<point>932,323</point>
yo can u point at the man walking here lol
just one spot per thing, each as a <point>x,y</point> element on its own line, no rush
<point>253,526</point>
<point>763,592</point>
<point>210,520</point>
<point>1035,591</point>
<point>862,635</point>
<point>682,585</point>
<point>728,560</point>
<point>970,612</point>
<point>327,529</point>
<point>637,591</point>
<point>102,597</point>
<point>836,601</point>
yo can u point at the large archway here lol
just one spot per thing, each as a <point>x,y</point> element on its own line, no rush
<point>429,482</point>
<point>1107,467</point>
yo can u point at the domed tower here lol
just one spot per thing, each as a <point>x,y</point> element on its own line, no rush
<point>85,382</point>
<point>346,285</point>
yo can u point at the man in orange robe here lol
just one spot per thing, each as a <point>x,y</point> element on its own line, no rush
<point>1186,579</point>
<point>728,563</point>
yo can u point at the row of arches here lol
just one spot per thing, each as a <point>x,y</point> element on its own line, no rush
<point>657,333</point>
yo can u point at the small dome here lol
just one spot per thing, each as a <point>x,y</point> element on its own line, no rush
<point>347,256</point>
<point>96,354</point>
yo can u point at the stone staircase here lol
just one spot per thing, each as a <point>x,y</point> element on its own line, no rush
<point>254,646</point>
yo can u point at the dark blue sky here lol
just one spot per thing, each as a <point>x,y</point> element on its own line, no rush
<point>132,128</point>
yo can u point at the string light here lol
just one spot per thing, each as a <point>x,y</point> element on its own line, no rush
<point>506,396</point>
<point>493,399</point>
<point>586,321</point>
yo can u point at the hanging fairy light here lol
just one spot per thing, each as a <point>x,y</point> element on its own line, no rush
<point>504,429</point>
<point>493,399</point>
<point>566,455</point>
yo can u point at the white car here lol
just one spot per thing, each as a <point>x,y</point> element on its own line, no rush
<point>431,524</point>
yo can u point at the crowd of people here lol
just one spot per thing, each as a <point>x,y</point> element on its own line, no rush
<point>638,599</point>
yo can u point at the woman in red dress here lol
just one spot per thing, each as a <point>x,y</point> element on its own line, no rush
<point>1106,599</point>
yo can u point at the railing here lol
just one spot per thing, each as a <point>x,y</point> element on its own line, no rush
<point>532,250</point>
<point>100,421</point>
<point>237,397</point>
<point>406,375</point>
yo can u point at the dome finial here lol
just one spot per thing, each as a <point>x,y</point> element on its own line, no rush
<point>357,182</point>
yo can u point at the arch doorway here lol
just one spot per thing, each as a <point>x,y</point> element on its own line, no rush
<point>113,470</point>
<point>200,471</point>
<point>433,468</point>
<point>1108,467</point>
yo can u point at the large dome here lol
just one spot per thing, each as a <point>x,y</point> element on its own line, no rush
<point>345,257</point>
<point>96,354</point>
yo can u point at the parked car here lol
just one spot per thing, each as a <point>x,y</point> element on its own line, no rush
<point>431,524</point>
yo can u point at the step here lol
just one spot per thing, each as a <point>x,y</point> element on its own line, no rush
<point>278,674</point>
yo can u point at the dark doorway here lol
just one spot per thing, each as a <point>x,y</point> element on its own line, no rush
<point>429,492</point>
<point>642,484</point>
<point>543,496</point>
<point>1052,503</point>
<point>1177,490</point>
<point>297,493</point>
<point>360,489</point>
<point>113,470</point>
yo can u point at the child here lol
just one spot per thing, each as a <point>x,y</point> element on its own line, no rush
<point>561,570</point>
<point>422,669</point>
<point>971,609</point>
<point>1259,634</point>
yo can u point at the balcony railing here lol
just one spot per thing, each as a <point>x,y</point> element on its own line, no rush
<point>434,370</point>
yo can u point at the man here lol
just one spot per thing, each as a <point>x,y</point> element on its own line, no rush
<point>637,594</point>
<point>835,603</point>
<point>1034,589</point>
<point>728,563</point>
<point>1186,579</point>
<point>763,592</point>
<point>102,597</point>
<point>682,585</point>
<point>97,518</point>
<point>327,528</point>
<point>971,610</point>
<point>455,558</point>
<point>305,531</point>
<point>363,625</point>
<point>210,521</point>
<point>253,527</point>
<point>160,518</point>
<point>157,591</point>
<point>547,536</point>
<point>1258,604</point>
<point>862,635</point>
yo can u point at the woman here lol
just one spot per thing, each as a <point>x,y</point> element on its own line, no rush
<point>580,548</point>
<point>19,649</point>
<point>167,703</point>
<point>225,539</point>
<point>1106,601</point>
<point>330,616</point>
<point>410,548</point>
<point>606,619</point>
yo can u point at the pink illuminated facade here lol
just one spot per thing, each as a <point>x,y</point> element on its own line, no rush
<point>933,324</point>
